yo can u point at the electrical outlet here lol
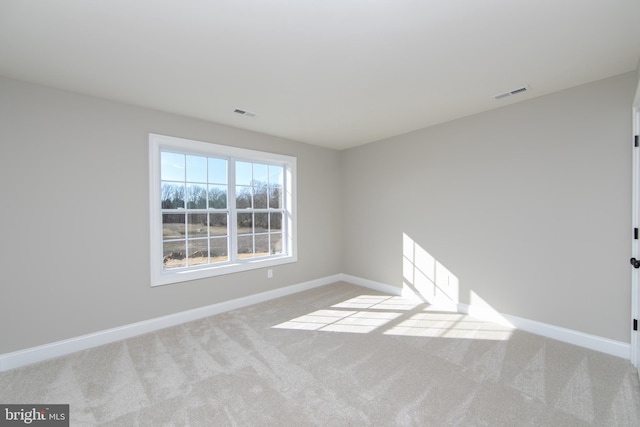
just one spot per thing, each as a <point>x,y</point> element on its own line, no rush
<point>269,274</point>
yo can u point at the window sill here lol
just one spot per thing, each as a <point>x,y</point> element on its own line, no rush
<point>184,275</point>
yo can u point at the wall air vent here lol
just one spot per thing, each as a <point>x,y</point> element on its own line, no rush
<point>244,112</point>
<point>512,92</point>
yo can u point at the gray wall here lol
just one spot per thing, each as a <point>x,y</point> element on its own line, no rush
<point>74,252</point>
<point>528,206</point>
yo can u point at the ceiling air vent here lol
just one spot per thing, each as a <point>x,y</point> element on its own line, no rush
<point>512,92</point>
<point>244,112</point>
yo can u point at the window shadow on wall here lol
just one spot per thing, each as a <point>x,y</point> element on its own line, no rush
<point>425,278</point>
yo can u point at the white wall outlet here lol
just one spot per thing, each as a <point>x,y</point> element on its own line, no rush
<point>269,274</point>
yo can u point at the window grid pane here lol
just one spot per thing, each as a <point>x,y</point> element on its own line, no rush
<point>217,197</point>
<point>173,226</point>
<point>172,195</point>
<point>187,230</point>
<point>259,233</point>
<point>173,254</point>
<point>196,196</point>
<point>198,251</point>
<point>244,197</point>
<point>194,208</point>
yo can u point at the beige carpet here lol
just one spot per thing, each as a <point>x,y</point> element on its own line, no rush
<point>339,355</point>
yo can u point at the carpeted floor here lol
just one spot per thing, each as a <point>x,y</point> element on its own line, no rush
<point>339,355</point>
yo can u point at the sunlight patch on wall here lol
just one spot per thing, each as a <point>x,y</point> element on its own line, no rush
<point>478,307</point>
<point>424,277</point>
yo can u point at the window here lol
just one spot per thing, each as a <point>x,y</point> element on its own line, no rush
<point>217,209</point>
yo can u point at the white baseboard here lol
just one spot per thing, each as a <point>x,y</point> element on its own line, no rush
<point>592,342</point>
<point>60,348</point>
<point>366,283</point>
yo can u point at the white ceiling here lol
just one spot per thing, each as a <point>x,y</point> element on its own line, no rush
<point>335,73</point>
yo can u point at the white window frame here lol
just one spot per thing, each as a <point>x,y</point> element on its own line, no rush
<point>161,276</point>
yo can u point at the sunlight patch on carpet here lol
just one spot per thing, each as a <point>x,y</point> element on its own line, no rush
<point>392,315</point>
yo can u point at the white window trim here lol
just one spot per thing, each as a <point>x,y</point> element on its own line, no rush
<point>160,276</point>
